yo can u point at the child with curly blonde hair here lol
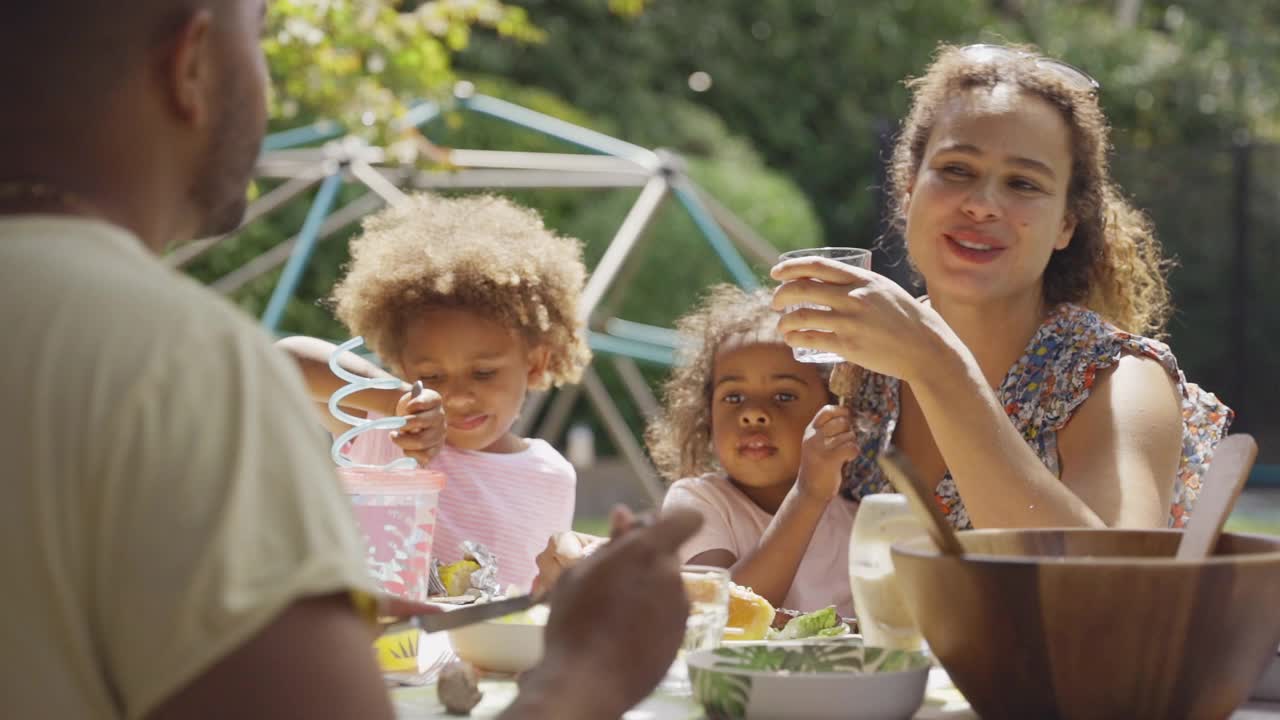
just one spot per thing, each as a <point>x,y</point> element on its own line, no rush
<point>752,444</point>
<point>476,299</point>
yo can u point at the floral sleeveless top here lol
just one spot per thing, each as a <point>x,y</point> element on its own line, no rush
<point>1040,393</point>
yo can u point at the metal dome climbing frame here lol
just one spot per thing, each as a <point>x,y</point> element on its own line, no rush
<point>324,155</point>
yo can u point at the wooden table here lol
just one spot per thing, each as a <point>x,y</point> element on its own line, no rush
<point>420,703</point>
<point>941,703</point>
<point>942,700</point>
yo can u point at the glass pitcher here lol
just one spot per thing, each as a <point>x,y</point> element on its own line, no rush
<point>883,617</point>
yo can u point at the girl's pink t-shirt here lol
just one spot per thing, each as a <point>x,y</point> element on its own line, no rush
<point>731,521</point>
<point>511,503</point>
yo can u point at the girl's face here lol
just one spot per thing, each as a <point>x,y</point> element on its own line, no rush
<point>762,400</point>
<point>988,206</point>
<point>481,368</point>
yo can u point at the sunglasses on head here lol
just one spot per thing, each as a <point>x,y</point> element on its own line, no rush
<point>1071,74</point>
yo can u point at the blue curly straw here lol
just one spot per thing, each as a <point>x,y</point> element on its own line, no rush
<point>360,425</point>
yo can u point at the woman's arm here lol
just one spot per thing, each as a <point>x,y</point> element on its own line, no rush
<point>1119,453</point>
<point>1121,444</point>
<point>1000,478</point>
<point>1121,449</point>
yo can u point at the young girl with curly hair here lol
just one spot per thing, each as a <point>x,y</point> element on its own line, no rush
<point>475,298</point>
<point>752,444</point>
<point>1023,385</point>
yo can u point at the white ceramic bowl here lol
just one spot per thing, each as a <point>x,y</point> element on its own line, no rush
<point>824,681</point>
<point>498,646</point>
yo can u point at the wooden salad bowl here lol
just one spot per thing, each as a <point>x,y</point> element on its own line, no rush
<point>1096,624</point>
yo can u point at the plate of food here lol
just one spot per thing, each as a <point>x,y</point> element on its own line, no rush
<point>753,619</point>
<point>840,678</point>
<point>509,644</point>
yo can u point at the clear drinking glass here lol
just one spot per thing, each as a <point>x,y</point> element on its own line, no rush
<point>857,257</point>
<point>708,591</point>
<point>883,617</point>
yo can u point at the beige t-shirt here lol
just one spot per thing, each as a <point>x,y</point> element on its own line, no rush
<point>731,521</point>
<point>163,493</point>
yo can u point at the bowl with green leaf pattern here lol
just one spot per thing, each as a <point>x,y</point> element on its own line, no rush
<point>839,678</point>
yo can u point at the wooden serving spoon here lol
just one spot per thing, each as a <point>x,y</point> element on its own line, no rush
<point>898,469</point>
<point>1219,488</point>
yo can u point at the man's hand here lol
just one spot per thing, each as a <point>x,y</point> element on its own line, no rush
<point>424,432</point>
<point>617,619</point>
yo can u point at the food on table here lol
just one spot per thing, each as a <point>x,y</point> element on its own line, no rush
<point>456,577</point>
<point>748,612</point>
<point>820,623</point>
<point>475,575</point>
<point>458,688</point>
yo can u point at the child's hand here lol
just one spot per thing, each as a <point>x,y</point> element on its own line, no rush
<point>423,434</point>
<point>829,442</point>
<point>563,551</point>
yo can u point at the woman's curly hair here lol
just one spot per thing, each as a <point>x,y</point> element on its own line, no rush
<point>481,253</point>
<point>679,440</point>
<point>1113,265</point>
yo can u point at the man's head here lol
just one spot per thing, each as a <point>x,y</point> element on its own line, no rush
<point>153,111</point>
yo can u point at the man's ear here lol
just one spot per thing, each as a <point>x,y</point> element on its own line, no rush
<point>187,74</point>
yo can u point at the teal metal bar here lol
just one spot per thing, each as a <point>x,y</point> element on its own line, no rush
<point>605,343</point>
<point>720,243</point>
<point>301,255</point>
<point>420,114</point>
<point>640,332</point>
<point>560,129</point>
<point>305,135</point>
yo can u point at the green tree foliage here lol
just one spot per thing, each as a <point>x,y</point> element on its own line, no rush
<point>816,86</point>
<point>361,62</point>
<point>784,108</point>
<point>812,83</point>
<point>815,83</point>
<point>366,62</point>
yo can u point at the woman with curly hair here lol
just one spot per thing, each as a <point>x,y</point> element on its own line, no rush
<point>476,299</point>
<point>1027,384</point>
<point>752,444</point>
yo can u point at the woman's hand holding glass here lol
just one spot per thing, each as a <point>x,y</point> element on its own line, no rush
<point>872,322</point>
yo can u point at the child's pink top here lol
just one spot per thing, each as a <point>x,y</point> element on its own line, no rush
<point>509,502</point>
<point>731,521</point>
